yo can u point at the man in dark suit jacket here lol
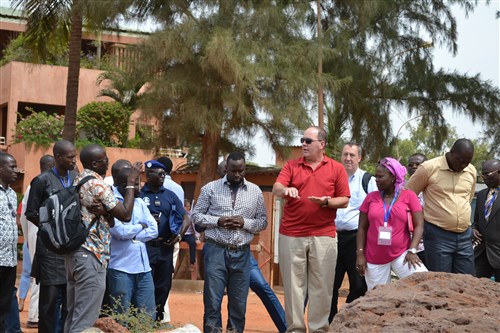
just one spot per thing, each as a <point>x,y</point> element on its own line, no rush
<point>486,226</point>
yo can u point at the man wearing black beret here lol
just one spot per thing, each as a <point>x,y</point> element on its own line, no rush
<point>160,202</point>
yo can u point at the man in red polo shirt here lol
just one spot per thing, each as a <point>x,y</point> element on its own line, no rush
<point>314,186</point>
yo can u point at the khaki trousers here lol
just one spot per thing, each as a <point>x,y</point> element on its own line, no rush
<point>307,266</point>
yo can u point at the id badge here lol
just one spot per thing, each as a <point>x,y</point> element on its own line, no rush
<point>384,235</point>
<point>157,203</point>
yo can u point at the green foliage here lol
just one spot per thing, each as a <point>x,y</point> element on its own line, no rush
<point>57,55</point>
<point>136,320</point>
<point>63,21</point>
<point>123,84</point>
<point>145,138</point>
<point>39,128</point>
<point>382,48</point>
<point>221,70</point>
<point>17,50</point>
<point>106,123</point>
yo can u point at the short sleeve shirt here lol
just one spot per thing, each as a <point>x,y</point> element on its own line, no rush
<point>301,216</point>
<point>98,238</point>
<point>447,194</point>
<point>373,206</point>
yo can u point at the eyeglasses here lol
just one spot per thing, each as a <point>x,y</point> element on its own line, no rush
<point>308,140</point>
<point>488,174</point>
<point>413,165</point>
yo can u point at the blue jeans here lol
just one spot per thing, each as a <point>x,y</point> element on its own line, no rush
<point>24,283</point>
<point>447,251</point>
<point>260,287</point>
<point>225,269</point>
<point>191,240</point>
<point>136,289</point>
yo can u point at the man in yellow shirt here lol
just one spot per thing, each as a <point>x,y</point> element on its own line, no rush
<point>448,183</point>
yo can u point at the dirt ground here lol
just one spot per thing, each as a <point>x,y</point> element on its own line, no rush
<point>186,307</point>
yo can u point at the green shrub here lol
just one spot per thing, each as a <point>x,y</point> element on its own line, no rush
<point>135,320</point>
<point>57,54</point>
<point>39,128</point>
<point>106,123</point>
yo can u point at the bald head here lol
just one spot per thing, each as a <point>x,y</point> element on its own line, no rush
<point>65,156</point>
<point>93,157</point>
<point>118,166</point>
<point>460,155</point>
<point>491,173</point>
<point>61,147</point>
<point>4,158</point>
<point>492,164</point>
<point>463,146</point>
<point>47,162</point>
<point>89,154</point>
<point>8,169</point>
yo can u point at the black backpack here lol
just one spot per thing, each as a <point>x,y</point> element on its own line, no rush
<point>365,181</point>
<point>60,227</point>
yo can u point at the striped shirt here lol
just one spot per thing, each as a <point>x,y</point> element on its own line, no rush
<point>215,201</point>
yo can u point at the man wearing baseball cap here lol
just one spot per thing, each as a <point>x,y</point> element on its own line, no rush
<point>160,202</point>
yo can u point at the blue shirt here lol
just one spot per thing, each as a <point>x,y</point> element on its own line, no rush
<point>169,184</point>
<point>128,251</point>
<point>348,218</point>
<point>161,202</point>
<point>215,201</point>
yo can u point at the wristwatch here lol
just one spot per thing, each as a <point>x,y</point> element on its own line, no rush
<point>413,250</point>
<point>325,204</point>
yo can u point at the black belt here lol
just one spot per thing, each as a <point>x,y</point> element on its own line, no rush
<point>228,247</point>
<point>157,242</point>
<point>347,232</point>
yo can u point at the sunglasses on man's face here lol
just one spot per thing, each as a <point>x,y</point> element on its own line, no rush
<point>308,140</point>
<point>489,174</point>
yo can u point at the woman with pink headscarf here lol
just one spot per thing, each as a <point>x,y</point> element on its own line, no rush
<point>383,241</point>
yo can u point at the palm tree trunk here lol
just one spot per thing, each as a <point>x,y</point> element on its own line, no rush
<point>75,45</point>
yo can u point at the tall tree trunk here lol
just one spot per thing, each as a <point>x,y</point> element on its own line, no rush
<point>209,157</point>
<point>75,46</point>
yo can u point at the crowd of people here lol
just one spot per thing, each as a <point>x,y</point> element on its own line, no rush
<point>337,220</point>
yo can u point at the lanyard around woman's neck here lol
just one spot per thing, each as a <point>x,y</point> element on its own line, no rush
<point>68,183</point>
<point>387,212</point>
